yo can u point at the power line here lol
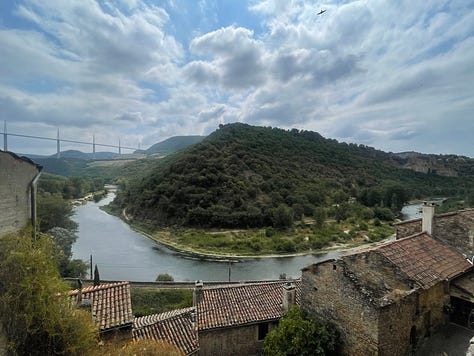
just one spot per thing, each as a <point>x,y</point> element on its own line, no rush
<point>68,141</point>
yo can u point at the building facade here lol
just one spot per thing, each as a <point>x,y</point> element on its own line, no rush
<point>385,299</point>
<point>18,177</point>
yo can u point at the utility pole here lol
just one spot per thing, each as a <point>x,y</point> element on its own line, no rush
<point>230,265</point>
<point>58,151</point>
<point>5,144</point>
<point>91,268</point>
<point>93,146</point>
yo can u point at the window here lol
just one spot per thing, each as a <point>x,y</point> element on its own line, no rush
<point>262,331</point>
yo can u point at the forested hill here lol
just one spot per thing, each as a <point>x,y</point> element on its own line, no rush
<point>240,174</point>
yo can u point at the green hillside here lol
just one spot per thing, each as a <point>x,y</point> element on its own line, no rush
<point>245,176</point>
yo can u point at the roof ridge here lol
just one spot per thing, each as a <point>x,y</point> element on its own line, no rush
<point>99,287</point>
<point>376,246</point>
<point>159,318</point>
<point>247,284</point>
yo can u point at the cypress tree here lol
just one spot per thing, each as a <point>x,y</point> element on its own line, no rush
<point>96,276</point>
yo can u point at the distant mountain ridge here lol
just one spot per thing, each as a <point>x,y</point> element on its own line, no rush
<point>443,165</point>
<point>86,155</point>
<point>172,144</point>
<point>77,163</point>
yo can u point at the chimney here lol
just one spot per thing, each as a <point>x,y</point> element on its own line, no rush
<point>197,292</point>
<point>289,295</point>
<point>428,215</point>
<point>79,293</point>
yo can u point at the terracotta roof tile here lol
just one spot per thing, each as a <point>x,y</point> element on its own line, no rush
<point>242,304</point>
<point>111,304</point>
<point>422,258</point>
<point>177,327</point>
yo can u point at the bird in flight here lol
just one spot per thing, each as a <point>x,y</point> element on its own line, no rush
<point>321,12</point>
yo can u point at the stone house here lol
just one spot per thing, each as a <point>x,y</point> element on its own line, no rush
<point>384,299</point>
<point>18,178</point>
<point>457,230</point>
<point>224,320</point>
<point>234,319</point>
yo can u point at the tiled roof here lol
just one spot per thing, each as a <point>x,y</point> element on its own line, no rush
<point>242,304</point>
<point>465,283</point>
<point>422,258</point>
<point>111,304</point>
<point>177,327</point>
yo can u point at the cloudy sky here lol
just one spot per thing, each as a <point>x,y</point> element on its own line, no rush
<point>395,75</point>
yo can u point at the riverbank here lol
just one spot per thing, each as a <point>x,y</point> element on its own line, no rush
<point>163,238</point>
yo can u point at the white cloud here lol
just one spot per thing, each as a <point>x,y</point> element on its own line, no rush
<point>388,74</point>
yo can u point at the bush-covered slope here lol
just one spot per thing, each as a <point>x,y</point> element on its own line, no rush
<point>245,176</point>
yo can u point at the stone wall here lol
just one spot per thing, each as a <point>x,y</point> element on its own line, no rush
<point>395,324</point>
<point>15,199</point>
<point>420,313</point>
<point>3,342</point>
<point>408,228</point>
<point>232,341</point>
<point>457,229</point>
<point>329,294</point>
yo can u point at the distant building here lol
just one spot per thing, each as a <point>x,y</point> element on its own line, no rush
<point>18,177</point>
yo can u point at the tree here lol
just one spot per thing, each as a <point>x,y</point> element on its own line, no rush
<point>282,216</point>
<point>298,335</point>
<point>35,308</point>
<point>164,277</point>
<point>64,239</point>
<point>54,211</point>
<point>96,276</point>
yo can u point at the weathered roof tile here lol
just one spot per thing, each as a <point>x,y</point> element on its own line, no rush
<point>177,327</point>
<point>111,304</point>
<point>242,304</point>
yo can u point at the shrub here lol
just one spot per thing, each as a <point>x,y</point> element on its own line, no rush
<point>298,335</point>
<point>34,305</point>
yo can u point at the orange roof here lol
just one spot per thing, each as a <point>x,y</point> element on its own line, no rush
<point>242,304</point>
<point>422,258</point>
<point>111,304</point>
<point>176,326</point>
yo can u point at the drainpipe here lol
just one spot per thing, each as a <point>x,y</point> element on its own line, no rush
<point>33,191</point>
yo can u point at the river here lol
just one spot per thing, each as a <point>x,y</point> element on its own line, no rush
<point>123,254</point>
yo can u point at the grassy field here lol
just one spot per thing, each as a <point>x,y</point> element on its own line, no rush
<point>303,237</point>
<point>153,301</point>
